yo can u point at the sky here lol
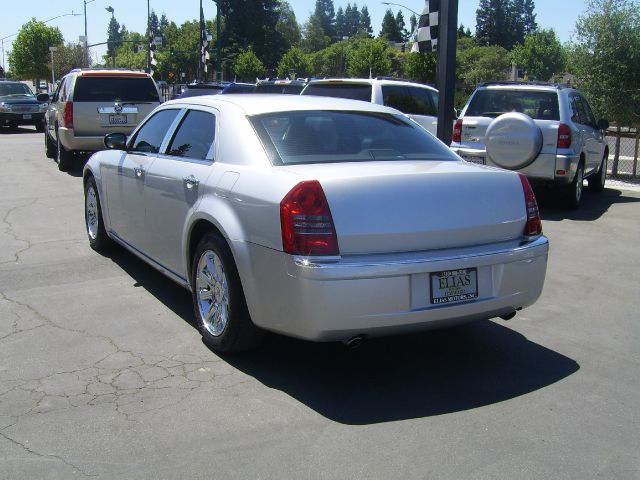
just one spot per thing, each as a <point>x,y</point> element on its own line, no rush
<point>561,15</point>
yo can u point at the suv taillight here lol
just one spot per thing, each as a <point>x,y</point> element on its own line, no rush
<point>457,131</point>
<point>534,223</point>
<point>564,136</point>
<point>306,222</point>
<point>68,114</point>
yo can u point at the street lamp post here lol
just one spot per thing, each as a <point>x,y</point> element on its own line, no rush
<point>86,38</point>
<point>53,75</point>
<point>113,46</point>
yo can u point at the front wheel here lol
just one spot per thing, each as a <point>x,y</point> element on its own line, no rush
<point>597,180</point>
<point>94,221</point>
<point>219,303</point>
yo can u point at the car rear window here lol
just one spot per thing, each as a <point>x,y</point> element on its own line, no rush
<point>107,89</point>
<point>353,91</point>
<point>539,105</point>
<point>320,136</point>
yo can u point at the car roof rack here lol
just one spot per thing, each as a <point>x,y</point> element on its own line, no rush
<point>528,83</point>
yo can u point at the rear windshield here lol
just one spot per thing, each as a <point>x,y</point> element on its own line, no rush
<point>353,91</point>
<point>107,89</point>
<point>320,136</point>
<point>538,105</point>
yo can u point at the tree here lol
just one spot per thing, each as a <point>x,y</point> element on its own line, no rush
<point>491,23</point>
<point>541,55</point>
<point>606,59</point>
<point>294,62</point>
<point>351,20</point>
<point>483,64</point>
<point>365,22</point>
<point>314,38</point>
<point>390,29</point>
<point>114,37</point>
<point>248,66</point>
<point>331,61</point>
<point>327,16</point>
<point>529,18</point>
<point>421,67</point>
<point>340,25</point>
<point>287,25</point>
<point>402,28</point>
<point>30,57</point>
<point>368,58</point>
<point>68,57</point>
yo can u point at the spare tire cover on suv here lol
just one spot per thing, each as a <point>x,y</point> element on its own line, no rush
<point>513,140</point>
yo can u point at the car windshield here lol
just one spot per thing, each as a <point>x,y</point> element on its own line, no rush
<point>107,89</point>
<point>539,105</point>
<point>15,90</point>
<point>354,91</point>
<point>298,137</point>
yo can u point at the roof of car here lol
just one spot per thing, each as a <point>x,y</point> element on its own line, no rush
<point>266,103</point>
<point>109,72</point>
<point>370,81</point>
<point>517,84</point>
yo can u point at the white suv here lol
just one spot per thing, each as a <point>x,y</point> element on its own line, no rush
<point>546,131</point>
<point>418,101</point>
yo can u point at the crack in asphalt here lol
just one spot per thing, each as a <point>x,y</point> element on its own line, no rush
<point>8,230</point>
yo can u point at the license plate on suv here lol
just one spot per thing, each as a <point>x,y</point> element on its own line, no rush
<point>117,119</point>
<point>453,286</point>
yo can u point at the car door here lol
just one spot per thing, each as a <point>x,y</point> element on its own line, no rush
<point>588,132</point>
<point>125,179</point>
<point>594,138</point>
<point>174,184</point>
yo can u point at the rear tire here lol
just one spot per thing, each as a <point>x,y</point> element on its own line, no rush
<point>63,156</point>
<point>49,146</point>
<point>220,307</point>
<point>598,179</point>
<point>572,193</point>
<point>40,127</point>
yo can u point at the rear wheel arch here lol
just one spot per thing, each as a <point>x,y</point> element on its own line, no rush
<point>198,230</point>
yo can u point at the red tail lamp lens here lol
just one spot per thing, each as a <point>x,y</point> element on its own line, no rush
<point>534,223</point>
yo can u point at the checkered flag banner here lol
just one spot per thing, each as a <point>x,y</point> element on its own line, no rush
<point>427,38</point>
<point>204,43</point>
<point>152,57</point>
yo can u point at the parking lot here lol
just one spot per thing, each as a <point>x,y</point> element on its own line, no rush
<point>102,373</point>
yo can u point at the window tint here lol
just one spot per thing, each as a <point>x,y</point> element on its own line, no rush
<point>150,136</point>
<point>411,100</point>
<point>590,119</point>
<point>15,89</point>
<point>539,105</point>
<point>340,136</point>
<point>194,137</point>
<point>578,112</point>
<point>353,91</point>
<point>107,89</point>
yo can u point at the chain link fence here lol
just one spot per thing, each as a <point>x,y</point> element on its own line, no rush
<point>623,153</point>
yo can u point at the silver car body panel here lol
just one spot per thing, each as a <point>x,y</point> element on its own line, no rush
<point>379,284</point>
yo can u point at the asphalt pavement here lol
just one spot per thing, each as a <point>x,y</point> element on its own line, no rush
<point>103,375</point>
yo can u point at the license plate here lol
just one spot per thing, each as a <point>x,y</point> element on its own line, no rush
<point>115,119</point>
<point>26,117</point>
<point>474,159</point>
<point>453,286</point>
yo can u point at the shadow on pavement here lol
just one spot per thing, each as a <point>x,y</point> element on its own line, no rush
<point>592,207</point>
<point>388,379</point>
<point>19,130</point>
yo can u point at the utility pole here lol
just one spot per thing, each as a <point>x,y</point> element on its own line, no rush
<point>446,81</point>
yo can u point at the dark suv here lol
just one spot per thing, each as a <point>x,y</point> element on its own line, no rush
<point>19,106</point>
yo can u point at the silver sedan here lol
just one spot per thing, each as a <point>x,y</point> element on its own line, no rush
<point>319,218</point>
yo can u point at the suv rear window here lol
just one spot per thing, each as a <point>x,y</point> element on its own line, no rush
<point>353,91</point>
<point>539,105</point>
<point>107,89</point>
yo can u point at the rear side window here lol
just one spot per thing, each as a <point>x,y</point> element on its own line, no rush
<point>194,137</point>
<point>108,89</point>
<point>344,136</point>
<point>539,105</point>
<point>150,136</point>
<point>353,91</point>
<point>410,100</point>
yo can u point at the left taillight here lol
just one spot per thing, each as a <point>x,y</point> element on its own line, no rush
<point>68,114</point>
<point>306,221</point>
<point>534,223</point>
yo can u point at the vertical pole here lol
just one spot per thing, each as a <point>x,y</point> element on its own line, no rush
<point>635,154</point>
<point>86,39</point>
<point>447,43</point>
<point>218,65</point>
<point>53,75</point>
<point>200,43</point>
<point>148,39</point>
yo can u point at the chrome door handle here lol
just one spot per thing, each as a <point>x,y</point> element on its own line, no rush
<point>191,182</point>
<point>139,171</point>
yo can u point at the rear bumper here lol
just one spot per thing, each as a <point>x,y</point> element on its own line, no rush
<point>544,169</point>
<point>92,143</point>
<point>376,295</point>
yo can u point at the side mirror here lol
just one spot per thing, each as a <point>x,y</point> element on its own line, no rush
<point>602,124</point>
<point>115,141</point>
<point>43,97</point>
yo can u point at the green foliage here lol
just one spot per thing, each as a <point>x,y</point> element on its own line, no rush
<point>326,14</point>
<point>314,37</point>
<point>114,37</point>
<point>483,64</point>
<point>294,63</point>
<point>67,57</point>
<point>606,59</point>
<point>504,22</point>
<point>30,57</point>
<point>369,57</point>
<point>390,28</point>
<point>248,66</point>
<point>541,55</point>
<point>287,25</point>
<point>332,61</point>
<point>421,67</point>
<point>365,22</point>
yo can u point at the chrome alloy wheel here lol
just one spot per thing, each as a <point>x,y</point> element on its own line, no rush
<point>92,216</point>
<point>212,293</point>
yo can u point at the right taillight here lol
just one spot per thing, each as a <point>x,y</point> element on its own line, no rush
<point>68,115</point>
<point>457,131</point>
<point>306,221</point>
<point>564,136</point>
<point>534,223</point>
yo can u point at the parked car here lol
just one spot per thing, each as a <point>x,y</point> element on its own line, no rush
<point>418,101</point>
<point>19,106</point>
<point>331,219</point>
<point>90,103</point>
<point>202,88</point>
<point>277,85</point>
<point>546,131</point>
